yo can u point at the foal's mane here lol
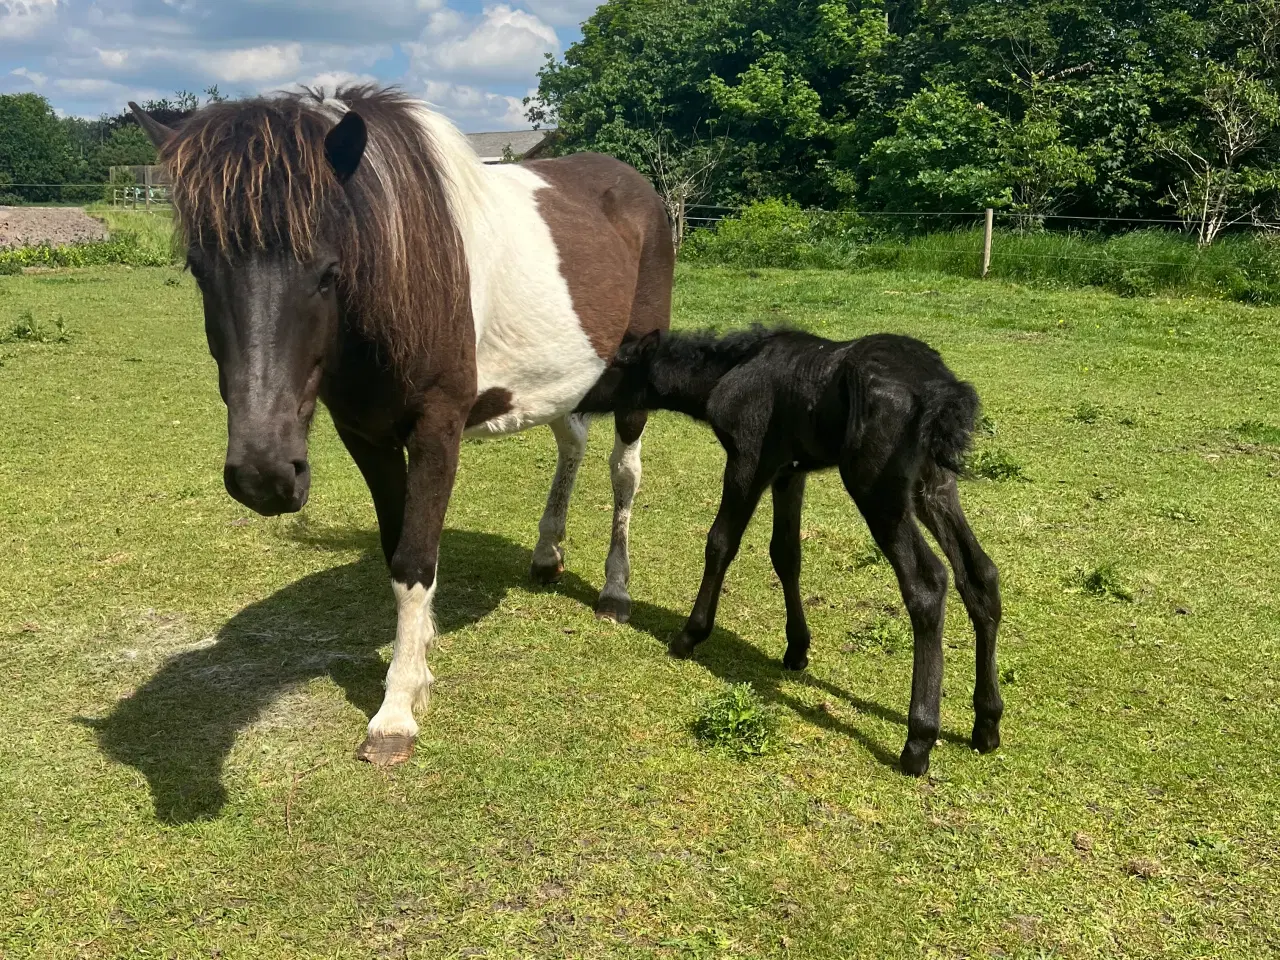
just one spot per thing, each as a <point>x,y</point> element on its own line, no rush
<point>252,175</point>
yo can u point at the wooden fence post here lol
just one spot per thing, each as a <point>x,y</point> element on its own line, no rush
<point>680,224</point>
<point>986,242</point>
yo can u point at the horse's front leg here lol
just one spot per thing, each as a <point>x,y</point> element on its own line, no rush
<point>433,462</point>
<point>548,555</point>
<point>624,470</point>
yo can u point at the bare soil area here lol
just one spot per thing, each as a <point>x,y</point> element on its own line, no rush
<point>56,226</point>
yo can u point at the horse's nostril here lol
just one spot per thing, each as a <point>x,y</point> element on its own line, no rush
<point>299,467</point>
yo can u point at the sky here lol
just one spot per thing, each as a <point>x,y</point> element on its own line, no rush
<point>475,61</point>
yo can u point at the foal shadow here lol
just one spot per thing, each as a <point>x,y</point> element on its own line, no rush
<point>180,726</point>
<point>734,660</point>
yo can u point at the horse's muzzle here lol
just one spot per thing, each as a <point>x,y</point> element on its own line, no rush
<point>269,488</point>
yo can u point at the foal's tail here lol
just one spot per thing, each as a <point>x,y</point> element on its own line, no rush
<point>950,415</point>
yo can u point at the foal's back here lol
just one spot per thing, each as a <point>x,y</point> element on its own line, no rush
<point>812,399</point>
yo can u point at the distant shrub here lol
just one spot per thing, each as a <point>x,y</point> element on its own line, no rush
<point>125,247</point>
<point>778,233</point>
<point>10,269</point>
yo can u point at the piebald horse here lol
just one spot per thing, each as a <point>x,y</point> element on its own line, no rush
<point>354,251</point>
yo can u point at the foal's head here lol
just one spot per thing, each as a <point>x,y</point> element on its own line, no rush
<point>290,236</point>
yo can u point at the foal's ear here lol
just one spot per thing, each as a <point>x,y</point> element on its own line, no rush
<point>344,145</point>
<point>156,131</point>
<point>649,342</point>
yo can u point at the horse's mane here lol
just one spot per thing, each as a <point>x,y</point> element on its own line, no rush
<point>251,175</point>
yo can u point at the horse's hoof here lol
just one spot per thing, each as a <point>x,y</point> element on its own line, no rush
<point>681,646</point>
<point>547,573</point>
<point>986,736</point>
<point>915,758</point>
<point>385,749</point>
<point>617,609</point>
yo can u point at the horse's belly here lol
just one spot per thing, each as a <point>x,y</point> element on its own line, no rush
<point>537,379</point>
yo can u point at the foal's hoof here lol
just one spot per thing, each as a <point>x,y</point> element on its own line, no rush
<point>617,609</point>
<point>915,758</point>
<point>547,573</point>
<point>795,660</point>
<point>681,645</point>
<point>986,736</point>
<point>385,749</point>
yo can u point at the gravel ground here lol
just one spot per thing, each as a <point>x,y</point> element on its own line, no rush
<point>31,226</point>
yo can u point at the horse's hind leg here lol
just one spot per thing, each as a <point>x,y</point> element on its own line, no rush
<point>938,506</point>
<point>922,578</point>
<point>548,555</point>
<point>784,551</point>
<point>624,468</point>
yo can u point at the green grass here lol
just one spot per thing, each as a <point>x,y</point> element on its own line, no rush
<point>185,683</point>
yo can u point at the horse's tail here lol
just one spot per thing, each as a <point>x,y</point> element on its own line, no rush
<point>950,415</point>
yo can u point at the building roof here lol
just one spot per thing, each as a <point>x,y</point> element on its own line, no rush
<point>523,143</point>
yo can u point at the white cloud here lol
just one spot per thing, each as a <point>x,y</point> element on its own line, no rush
<point>505,44</point>
<point>115,59</point>
<point>473,108</point>
<point>90,56</point>
<point>253,64</point>
<point>37,79</point>
<point>25,18</point>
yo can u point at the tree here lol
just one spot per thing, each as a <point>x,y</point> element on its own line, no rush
<point>34,147</point>
<point>1227,178</point>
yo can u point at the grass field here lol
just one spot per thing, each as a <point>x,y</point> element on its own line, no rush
<point>184,683</point>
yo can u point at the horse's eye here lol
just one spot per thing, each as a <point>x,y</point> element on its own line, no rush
<point>327,280</point>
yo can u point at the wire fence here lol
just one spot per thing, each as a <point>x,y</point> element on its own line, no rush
<point>1022,225</point>
<point>139,196</point>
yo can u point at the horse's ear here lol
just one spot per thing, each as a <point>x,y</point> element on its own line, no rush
<point>156,131</point>
<point>344,145</point>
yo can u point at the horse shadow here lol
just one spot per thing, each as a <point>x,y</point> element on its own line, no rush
<point>179,728</point>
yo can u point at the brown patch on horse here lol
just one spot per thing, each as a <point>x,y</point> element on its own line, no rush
<point>252,176</point>
<point>494,402</point>
<point>614,240</point>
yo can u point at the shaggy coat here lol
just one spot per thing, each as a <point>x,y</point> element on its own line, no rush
<point>892,418</point>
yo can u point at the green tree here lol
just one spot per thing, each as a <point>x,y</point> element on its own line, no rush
<point>34,146</point>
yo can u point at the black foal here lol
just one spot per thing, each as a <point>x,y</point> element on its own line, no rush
<point>896,422</point>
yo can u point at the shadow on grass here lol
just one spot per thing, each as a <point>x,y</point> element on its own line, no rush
<point>179,727</point>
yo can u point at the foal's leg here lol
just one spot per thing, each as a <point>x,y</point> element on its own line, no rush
<point>624,469</point>
<point>784,550</point>
<point>548,555</point>
<point>433,462</point>
<point>938,505</point>
<point>922,579</point>
<point>743,485</point>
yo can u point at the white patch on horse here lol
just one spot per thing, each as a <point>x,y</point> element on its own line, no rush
<point>625,471</point>
<point>408,679</point>
<point>529,338</point>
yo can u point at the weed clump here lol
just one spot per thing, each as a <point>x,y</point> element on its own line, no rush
<point>1086,412</point>
<point>885,634</point>
<point>738,721</point>
<point>1258,432</point>
<point>28,329</point>
<point>995,465</point>
<point>1104,583</point>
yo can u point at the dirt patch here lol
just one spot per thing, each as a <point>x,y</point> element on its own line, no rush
<point>56,226</point>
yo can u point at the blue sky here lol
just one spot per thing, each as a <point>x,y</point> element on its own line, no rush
<point>474,60</point>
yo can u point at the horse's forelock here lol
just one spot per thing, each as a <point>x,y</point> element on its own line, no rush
<point>252,175</point>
